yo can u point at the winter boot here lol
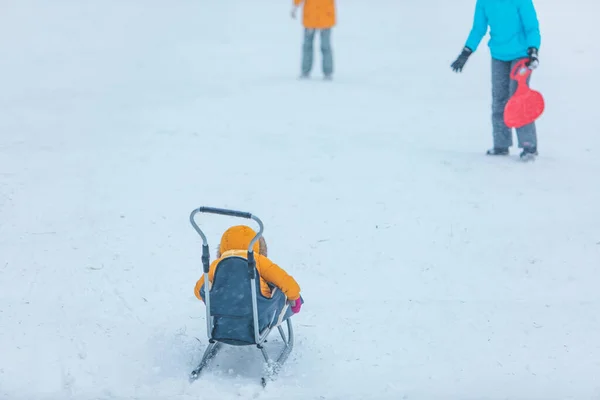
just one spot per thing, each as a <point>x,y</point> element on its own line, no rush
<point>529,153</point>
<point>498,151</point>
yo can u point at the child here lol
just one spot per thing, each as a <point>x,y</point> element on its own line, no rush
<point>514,35</point>
<point>319,15</point>
<point>234,243</point>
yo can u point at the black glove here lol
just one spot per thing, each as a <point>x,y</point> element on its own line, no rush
<point>460,62</point>
<point>532,62</point>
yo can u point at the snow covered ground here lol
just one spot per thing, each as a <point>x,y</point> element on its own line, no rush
<point>429,270</point>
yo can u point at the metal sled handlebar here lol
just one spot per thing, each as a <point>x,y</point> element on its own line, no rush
<point>206,261</point>
<point>229,213</point>
<point>223,211</point>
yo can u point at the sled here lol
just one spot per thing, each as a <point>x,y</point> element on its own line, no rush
<point>525,105</point>
<point>235,320</point>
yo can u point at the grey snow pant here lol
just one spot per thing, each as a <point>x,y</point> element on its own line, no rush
<point>502,88</point>
<point>307,51</point>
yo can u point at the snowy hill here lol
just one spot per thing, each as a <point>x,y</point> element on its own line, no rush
<point>429,270</point>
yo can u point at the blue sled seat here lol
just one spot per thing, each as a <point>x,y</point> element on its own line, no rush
<point>231,304</point>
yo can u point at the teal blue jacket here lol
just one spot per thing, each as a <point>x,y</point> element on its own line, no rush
<point>513,24</point>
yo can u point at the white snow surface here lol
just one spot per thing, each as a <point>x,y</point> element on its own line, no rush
<point>429,270</point>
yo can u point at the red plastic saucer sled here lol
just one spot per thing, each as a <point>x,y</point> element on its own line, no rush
<point>525,105</point>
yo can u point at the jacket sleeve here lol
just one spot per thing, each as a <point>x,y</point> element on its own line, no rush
<point>530,23</point>
<point>200,283</point>
<point>274,274</point>
<point>480,27</point>
<point>198,286</point>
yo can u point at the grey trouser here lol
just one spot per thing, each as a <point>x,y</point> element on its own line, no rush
<point>307,51</point>
<point>502,88</point>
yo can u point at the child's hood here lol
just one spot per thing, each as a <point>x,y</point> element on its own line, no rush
<point>238,238</point>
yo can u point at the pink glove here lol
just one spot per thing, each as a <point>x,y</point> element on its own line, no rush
<point>296,305</point>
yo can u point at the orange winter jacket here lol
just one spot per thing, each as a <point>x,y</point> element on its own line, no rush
<point>234,243</point>
<point>318,14</point>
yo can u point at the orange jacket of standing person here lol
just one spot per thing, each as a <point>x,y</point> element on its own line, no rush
<point>234,243</point>
<point>318,14</point>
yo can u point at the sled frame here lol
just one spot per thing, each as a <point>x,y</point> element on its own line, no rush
<point>272,367</point>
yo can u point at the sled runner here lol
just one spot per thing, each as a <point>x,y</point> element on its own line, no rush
<point>237,313</point>
<point>525,105</point>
